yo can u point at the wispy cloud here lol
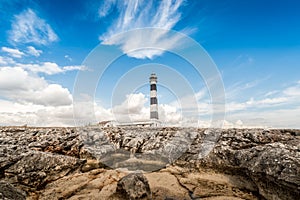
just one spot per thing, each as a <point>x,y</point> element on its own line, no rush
<point>252,103</point>
<point>68,57</point>
<point>242,60</point>
<point>6,60</point>
<point>27,27</point>
<point>74,67</point>
<point>106,7</point>
<point>235,90</point>
<point>278,108</point>
<point>274,99</point>
<point>134,14</point>
<point>13,52</point>
<point>258,111</point>
<point>33,51</point>
<point>49,68</point>
<point>271,93</point>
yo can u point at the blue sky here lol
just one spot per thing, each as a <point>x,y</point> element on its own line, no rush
<point>255,45</point>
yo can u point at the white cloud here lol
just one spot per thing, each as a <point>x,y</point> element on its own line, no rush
<point>13,52</point>
<point>19,86</point>
<point>35,115</point>
<point>272,101</point>
<point>52,95</point>
<point>136,14</point>
<point>271,93</point>
<point>134,109</point>
<point>32,108</point>
<point>293,91</point>
<point>6,60</point>
<point>16,79</point>
<point>254,112</point>
<point>49,68</point>
<point>169,114</point>
<point>276,118</point>
<point>133,104</point>
<point>106,8</point>
<point>242,61</point>
<point>281,111</point>
<point>27,98</point>
<point>192,101</point>
<point>68,57</point>
<point>103,114</point>
<point>27,27</point>
<point>251,103</point>
<point>31,99</point>
<point>235,90</point>
<point>157,42</point>
<point>74,67</point>
<point>33,51</point>
<point>8,106</point>
<point>239,123</point>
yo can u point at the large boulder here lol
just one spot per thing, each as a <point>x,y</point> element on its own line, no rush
<point>134,186</point>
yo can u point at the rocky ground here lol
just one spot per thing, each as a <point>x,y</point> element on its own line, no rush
<point>145,163</point>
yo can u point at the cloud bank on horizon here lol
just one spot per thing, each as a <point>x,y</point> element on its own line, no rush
<point>43,45</point>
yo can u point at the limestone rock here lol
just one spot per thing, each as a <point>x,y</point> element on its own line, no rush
<point>239,163</point>
<point>269,158</point>
<point>165,185</point>
<point>35,169</point>
<point>134,186</point>
<point>9,192</point>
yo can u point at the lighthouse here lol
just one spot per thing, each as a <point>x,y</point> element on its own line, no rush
<point>153,97</point>
<point>154,120</point>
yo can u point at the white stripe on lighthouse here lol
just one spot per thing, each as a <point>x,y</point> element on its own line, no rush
<point>153,93</point>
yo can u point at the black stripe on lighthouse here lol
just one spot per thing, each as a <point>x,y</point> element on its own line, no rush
<point>153,100</point>
<point>153,87</point>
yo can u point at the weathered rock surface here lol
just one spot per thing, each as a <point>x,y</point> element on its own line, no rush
<point>36,169</point>
<point>270,159</point>
<point>134,186</point>
<point>95,184</point>
<point>183,163</point>
<point>9,192</point>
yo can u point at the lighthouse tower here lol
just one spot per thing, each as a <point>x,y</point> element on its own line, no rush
<point>153,98</point>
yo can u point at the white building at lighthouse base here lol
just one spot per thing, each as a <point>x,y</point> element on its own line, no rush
<point>149,123</point>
